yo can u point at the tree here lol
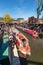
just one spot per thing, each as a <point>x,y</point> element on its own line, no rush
<point>7,18</point>
<point>40,7</point>
<point>42,17</point>
<point>38,12</point>
<point>39,2</point>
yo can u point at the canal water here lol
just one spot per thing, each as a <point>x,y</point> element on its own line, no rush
<point>36,45</point>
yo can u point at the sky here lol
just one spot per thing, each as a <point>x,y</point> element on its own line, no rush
<point>18,8</point>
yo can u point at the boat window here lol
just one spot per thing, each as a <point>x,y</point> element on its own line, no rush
<point>14,34</point>
<point>24,42</point>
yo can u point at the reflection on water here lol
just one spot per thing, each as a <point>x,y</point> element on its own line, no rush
<point>22,60</point>
<point>5,62</point>
<point>1,41</point>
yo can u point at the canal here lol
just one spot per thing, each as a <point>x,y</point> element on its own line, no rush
<point>36,57</point>
<point>36,45</point>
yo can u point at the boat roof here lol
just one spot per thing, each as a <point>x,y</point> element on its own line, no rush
<point>15,31</point>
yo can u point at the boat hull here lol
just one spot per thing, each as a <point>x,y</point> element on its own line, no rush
<point>24,50</point>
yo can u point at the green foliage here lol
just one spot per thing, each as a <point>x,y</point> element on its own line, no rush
<point>38,12</point>
<point>42,17</point>
<point>39,2</point>
<point>40,7</point>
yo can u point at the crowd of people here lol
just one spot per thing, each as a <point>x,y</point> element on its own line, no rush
<point>37,27</point>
